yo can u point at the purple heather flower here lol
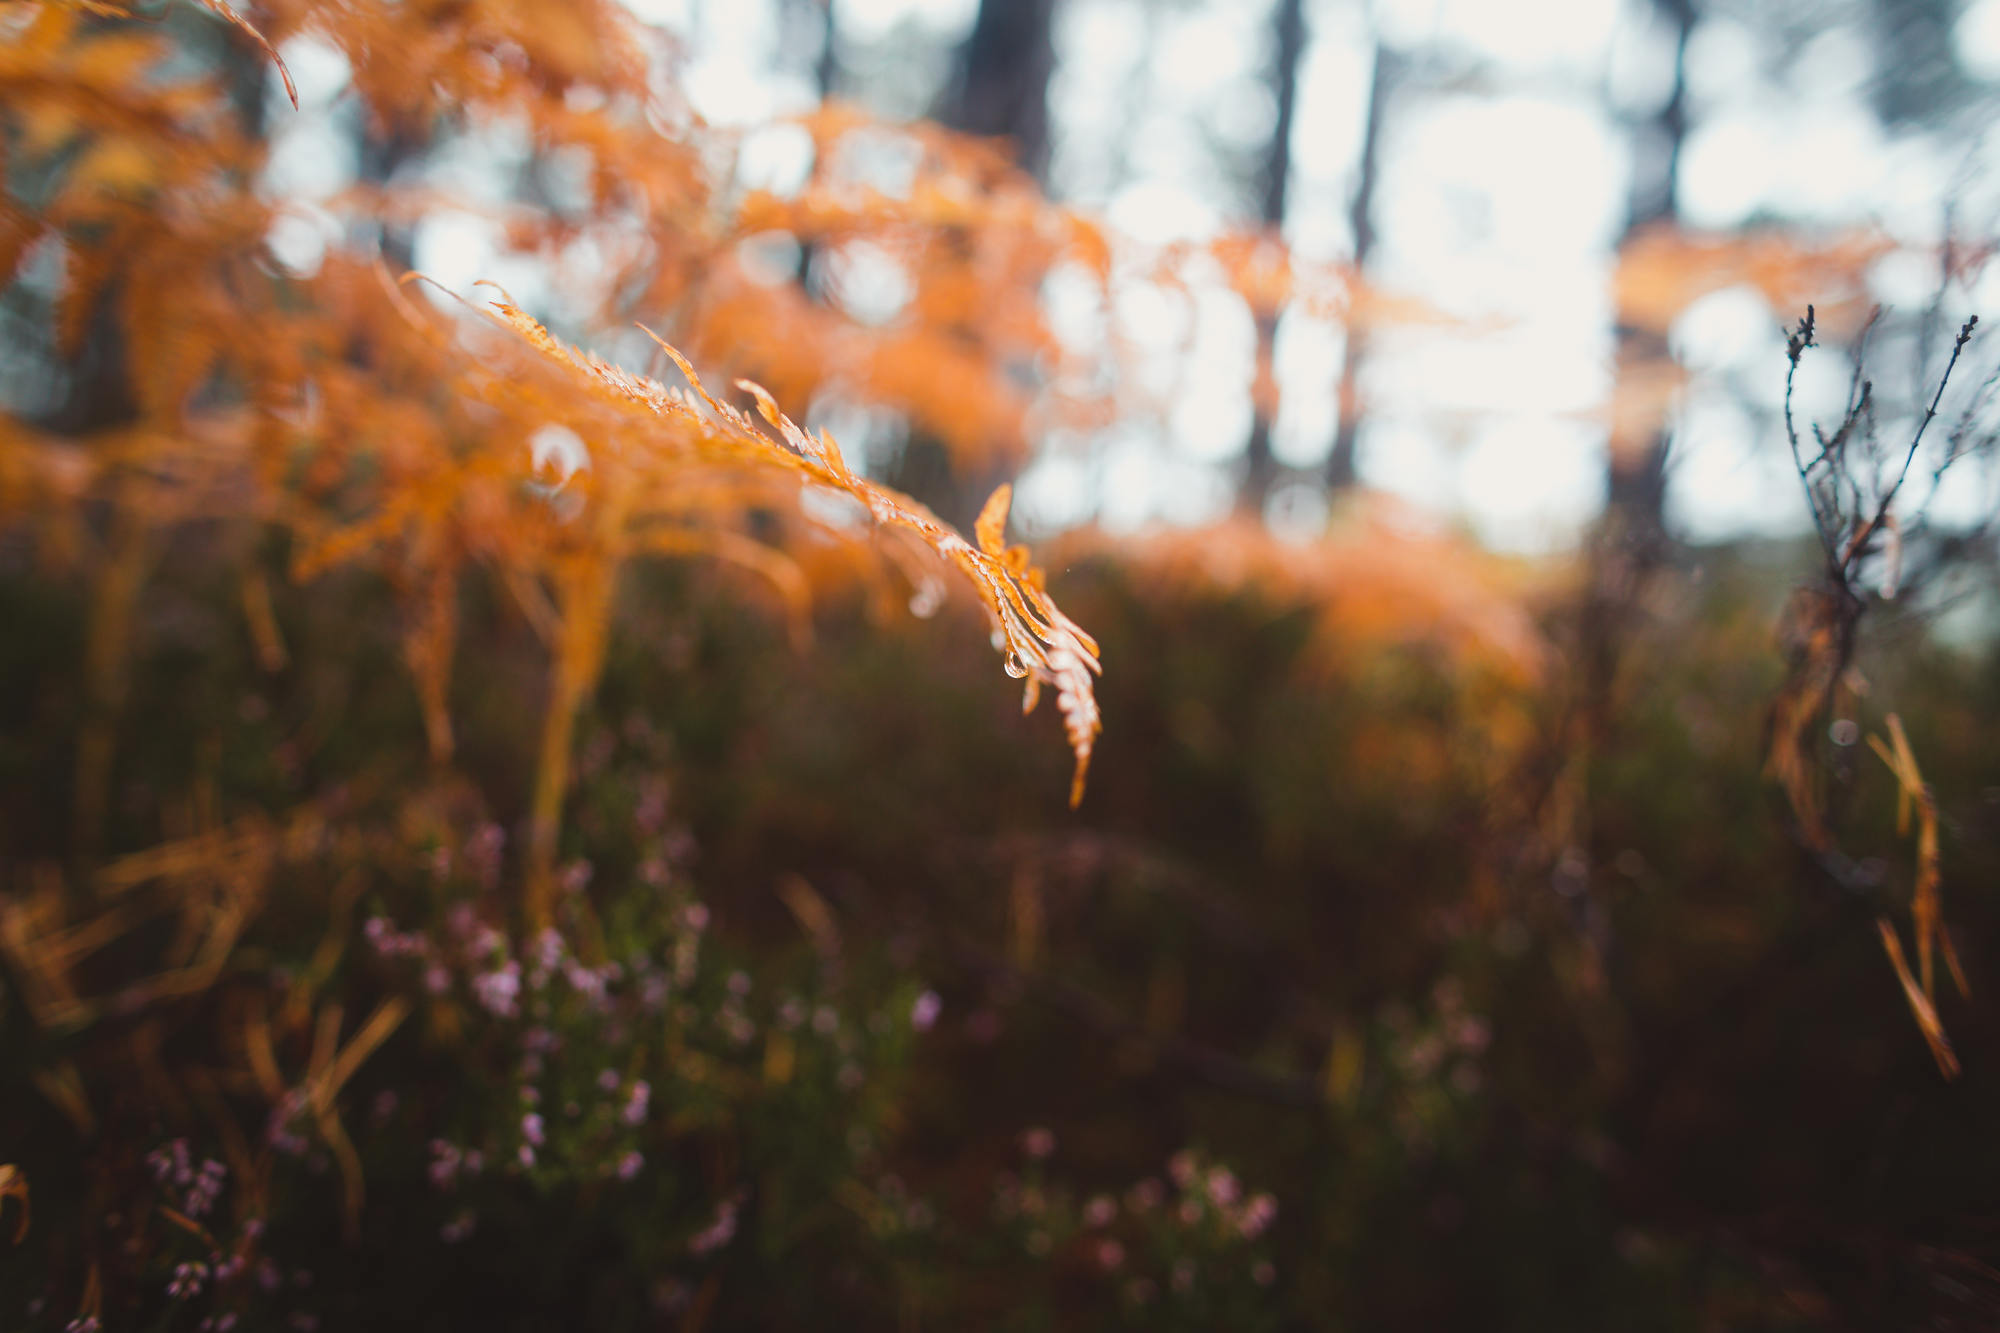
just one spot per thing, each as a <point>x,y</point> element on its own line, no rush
<point>652,809</point>
<point>630,1165</point>
<point>607,1080</point>
<point>1258,1214</point>
<point>719,1232</point>
<point>1100,1211</point>
<point>187,1280</point>
<point>531,1128</point>
<point>653,991</point>
<point>499,990</point>
<point>924,1013</point>
<point>1038,1142</point>
<point>161,1161</point>
<point>585,981</point>
<point>278,1131</point>
<point>482,854</point>
<point>207,1186</point>
<point>444,1163</point>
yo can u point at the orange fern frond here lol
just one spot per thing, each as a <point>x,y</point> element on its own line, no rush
<point>1041,644</point>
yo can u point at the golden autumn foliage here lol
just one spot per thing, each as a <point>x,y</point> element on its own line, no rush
<point>334,406</point>
<point>1380,577</point>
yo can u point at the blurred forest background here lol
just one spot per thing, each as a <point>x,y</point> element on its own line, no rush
<point>501,827</point>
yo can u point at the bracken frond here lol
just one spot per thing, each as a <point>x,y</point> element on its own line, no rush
<point>1041,644</point>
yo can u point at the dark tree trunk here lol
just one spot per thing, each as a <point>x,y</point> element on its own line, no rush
<point>1001,86</point>
<point>1636,456</point>
<point>826,69</point>
<point>1382,72</point>
<point>1288,40</point>
<point>1000,89</point>
<point>826,80</point>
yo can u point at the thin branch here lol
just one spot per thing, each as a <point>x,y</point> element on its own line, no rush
<point>1958,345</point>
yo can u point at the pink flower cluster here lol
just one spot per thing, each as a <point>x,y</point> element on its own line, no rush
<point>1194,1231</point>
<point>187,1281</point>
<point>171,1164</point>
<point>447,1162</point>
<point>719,1232</point>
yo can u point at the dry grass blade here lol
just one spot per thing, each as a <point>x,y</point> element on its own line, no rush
<point>1913,798</point>
<point>1920,1003</point>
<point>328,1069</point>
<point>14,1185</point>
<point>1811,631</point>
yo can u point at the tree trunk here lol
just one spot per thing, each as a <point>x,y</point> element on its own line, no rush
<point>826,69</point>
<point>1340,461</point>
<point>826,80</point>
<point>1001,86</point>
<point>1636,456</point>
<point>1288,40</point>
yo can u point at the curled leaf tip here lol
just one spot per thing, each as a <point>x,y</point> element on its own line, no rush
<point>991,527</point>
